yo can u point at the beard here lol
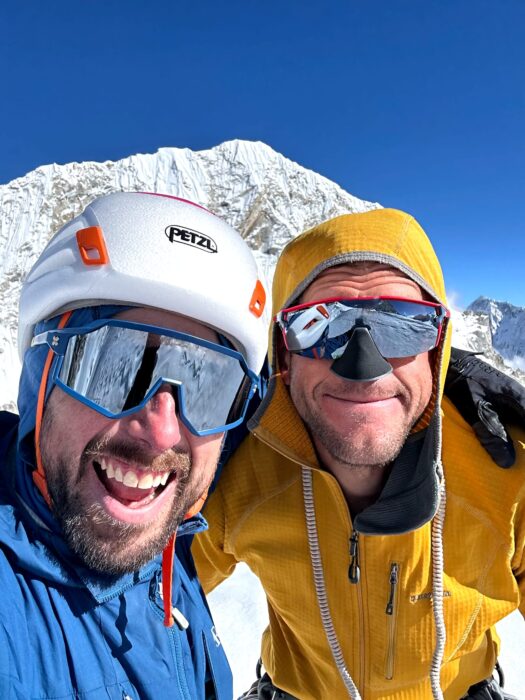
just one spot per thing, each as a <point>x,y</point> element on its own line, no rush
<point>344,448</point>
<point>103,543</point>
<point>361,442</point>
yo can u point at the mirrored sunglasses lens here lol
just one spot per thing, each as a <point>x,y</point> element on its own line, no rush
<point>103,366</point>
<point>210,381</point>
<point>116,368</point>
<point>398,328</point>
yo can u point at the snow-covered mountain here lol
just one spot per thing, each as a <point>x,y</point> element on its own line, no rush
<point>506,324</point>
<point>264,195</point>
<point>495,328</point>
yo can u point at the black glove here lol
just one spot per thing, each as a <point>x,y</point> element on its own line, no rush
<point>487,399</point>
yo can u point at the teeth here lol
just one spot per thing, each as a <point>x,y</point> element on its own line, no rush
<point>146,482</point>
<point>131,478</point>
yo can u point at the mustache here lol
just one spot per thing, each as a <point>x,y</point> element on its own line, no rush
<point>364,391</point>
<point>172,460</point>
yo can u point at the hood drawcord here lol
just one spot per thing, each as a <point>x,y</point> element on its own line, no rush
<point>320,587</point>
<point>168,556</point>
<point>167,579</point>
<point>437,593</point>
<point>322,600</point>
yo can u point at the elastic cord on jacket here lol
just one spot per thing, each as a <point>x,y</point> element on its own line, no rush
<point>322,599</point>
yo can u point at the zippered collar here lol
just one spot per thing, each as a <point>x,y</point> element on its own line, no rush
<point>410,496</point>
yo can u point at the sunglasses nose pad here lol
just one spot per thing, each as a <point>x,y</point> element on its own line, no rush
<point>361,360</point>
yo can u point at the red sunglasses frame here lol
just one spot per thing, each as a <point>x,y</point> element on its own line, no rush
<point>444,316</point>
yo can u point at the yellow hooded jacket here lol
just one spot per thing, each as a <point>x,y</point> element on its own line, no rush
<point>440,554</point>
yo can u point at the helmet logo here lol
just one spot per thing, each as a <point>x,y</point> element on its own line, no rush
<point>177,234</point>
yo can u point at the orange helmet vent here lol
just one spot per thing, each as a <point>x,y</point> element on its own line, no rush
<point>258,300</point>
<point>92,246</point>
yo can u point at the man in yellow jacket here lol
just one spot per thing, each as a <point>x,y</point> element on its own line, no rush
<point>387,541</point>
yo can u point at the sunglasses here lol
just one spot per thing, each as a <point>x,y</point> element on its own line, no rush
<point>115,367</point>
<point>399,327</point>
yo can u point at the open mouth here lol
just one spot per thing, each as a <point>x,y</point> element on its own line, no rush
<point>132,487</point>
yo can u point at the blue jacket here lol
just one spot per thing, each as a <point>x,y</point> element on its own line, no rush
<point>65,633</point>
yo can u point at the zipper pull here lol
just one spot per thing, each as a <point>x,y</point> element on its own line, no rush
<point>394,569</point>
<point>353,570</point>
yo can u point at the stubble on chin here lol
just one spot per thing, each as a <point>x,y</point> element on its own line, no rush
<point>377,451</point>
<point>361,444</point>
<point>103,544</point>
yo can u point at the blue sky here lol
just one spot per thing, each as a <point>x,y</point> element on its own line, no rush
<point>416,104</point>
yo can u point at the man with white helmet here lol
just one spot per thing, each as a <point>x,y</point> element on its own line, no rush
<point>139,353</point>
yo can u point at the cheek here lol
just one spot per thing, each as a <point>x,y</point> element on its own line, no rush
<point>416,374</point>
<point>68,425</point>
<point>305,373</point>
<point>206,451</point>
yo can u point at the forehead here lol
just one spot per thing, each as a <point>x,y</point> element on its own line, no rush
<point>167,319</point>
<point>360,280</point>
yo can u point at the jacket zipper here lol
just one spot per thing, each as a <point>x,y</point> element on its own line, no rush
<point>391,611</point>
<point>354,572</point>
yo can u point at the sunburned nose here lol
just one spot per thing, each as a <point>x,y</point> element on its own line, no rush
<point>157,424</point>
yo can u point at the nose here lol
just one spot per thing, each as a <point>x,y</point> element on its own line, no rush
<point>361,361</point>
<point>156,425</point>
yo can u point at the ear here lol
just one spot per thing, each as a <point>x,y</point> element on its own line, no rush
<point>283,359</point>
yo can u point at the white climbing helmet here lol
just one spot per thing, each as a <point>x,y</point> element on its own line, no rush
<point>141,249</point>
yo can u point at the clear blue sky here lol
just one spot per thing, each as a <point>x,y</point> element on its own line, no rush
<point>417,104</point>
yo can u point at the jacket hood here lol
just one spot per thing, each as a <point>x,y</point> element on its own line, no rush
<point>386,236</point>
<point>394,238</point>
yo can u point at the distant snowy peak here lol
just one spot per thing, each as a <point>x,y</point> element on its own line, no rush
<point>496,329</point>
<point>506,324</point>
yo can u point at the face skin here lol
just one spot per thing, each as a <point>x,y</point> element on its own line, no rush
<point>358,426</point>
<point>114,527</point>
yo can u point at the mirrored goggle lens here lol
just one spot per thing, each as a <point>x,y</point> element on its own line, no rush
<point>118,369</point>
<point>399,328</point>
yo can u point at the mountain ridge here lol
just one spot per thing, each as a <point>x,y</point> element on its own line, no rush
<point>267,197</point>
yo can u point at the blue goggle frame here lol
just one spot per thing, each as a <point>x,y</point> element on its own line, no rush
<point>58,341</point>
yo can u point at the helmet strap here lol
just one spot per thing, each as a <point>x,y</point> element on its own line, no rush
<point>39,475</point>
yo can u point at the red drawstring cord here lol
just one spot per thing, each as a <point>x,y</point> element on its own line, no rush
<point>167,578</point>
<point>167,563</point>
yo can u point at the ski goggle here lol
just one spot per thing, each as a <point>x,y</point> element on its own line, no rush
<point>115,367</point>
<point>399,327</point>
